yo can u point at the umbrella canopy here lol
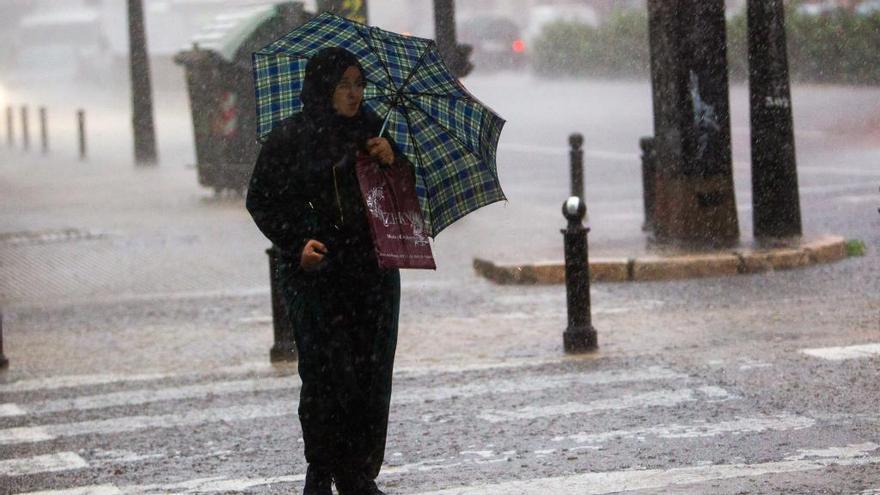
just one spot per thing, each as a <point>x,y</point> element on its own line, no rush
<point>447,134</point>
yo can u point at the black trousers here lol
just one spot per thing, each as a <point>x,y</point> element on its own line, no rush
<point>345,326</point>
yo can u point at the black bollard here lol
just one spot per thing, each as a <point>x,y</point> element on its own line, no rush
<point>4,363</point>
<point>648,180</point>
<point>10,127</point>
<point>580,336</point>
<point>284,347</point>
<point>44,131</point>
<point>81,125</point>
<point>25,132</point>
<point>576,156</point>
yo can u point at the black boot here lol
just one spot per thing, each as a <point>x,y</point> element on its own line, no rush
<point>370,487</point>
<point>355,483</point>
<point>318,479</point>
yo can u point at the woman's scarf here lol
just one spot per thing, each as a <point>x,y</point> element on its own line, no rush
<point>336,135</point>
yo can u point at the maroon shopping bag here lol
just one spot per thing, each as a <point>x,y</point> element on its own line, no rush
<point>399,234</point>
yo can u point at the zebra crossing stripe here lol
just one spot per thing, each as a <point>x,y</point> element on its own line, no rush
<point>73,381</point>
<point>597,483</point>
<point>404,396</point>
<point>82,490</point>
<point>647,479</point>
<point>146,396</point>
<point>844,353</point>
<point>656,398</point>
<point>737,426</point>
<point>61,461</point>
<point>284,407</point>
<point>136,423</point>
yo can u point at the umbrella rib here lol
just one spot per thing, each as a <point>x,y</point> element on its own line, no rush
<point>413,72</point>
<point>416,169</point>
<point>367,42</point>
<point>438,124</point>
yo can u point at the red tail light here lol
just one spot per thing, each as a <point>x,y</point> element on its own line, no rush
<point>519,46</point>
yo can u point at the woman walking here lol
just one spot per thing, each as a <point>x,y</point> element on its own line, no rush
<point>305,198</point>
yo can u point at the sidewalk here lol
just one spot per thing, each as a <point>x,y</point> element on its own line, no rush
<point>674,265</point>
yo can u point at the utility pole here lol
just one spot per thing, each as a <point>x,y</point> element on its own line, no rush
<point>455,55</point>
<point>355,10</point>
<point>776,211</point>
<point>694,204</point>
<point>141,90</point>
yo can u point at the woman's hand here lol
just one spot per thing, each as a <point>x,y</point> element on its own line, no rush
<point>312,255</point>
<point>380,149</point>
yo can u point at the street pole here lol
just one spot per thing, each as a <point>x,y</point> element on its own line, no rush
<point>25,129</point>
<point>694,204</point>
<point>576,159</point>
<point>455,55</point>
<point>580,336</point>
<point>81,133</point>
<point>775,198</point>
<point>10,127</point>
<point>141,90</point>
<point>44,130</point>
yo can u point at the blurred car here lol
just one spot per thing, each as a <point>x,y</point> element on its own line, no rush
<point>496,41</point>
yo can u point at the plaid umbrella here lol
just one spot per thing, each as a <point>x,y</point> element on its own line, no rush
<point>448,135</point>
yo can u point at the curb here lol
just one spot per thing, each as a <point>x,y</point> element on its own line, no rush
<point>726,263</point>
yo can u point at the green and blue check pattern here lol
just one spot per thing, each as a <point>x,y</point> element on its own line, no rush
<point>448,135</point>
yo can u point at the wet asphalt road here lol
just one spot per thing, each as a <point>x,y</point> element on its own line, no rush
<point>139,352</point>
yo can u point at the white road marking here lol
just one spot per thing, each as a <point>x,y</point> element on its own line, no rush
<point>855,200</point>
<point>135,423</point>
<point>738,426</point>
<point>848,171</point>
<point>645,479</point>
<point>663,398</point>
<point>291,383</point>
<point>61,461</point>
<point>11,410</point>
<point>73,381</point>
<point>532,383</point>
<point>585,483</point>
<point>81,490</point>
<point>146,396</point>
<point>284,407</point>
<point>843,353</point>
<point>24,434</point>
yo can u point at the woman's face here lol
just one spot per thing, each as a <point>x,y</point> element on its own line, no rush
<point>349,92</point>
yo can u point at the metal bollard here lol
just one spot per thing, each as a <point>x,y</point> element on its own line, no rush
<point>44,131</point>
<point>649,170</point>
<point>576,156</point>
<point>10,127</point>
<point>81,124</point>
<point>25,132</point>
<point>580,336</point>
<point>284,347</point>
<point>4,363</point>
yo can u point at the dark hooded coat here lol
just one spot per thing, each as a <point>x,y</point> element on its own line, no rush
<point>344,313</point>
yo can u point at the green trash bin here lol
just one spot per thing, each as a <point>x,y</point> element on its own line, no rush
<point>219,80</point>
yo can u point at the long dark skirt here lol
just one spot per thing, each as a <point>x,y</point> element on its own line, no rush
<point>346,334</point>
